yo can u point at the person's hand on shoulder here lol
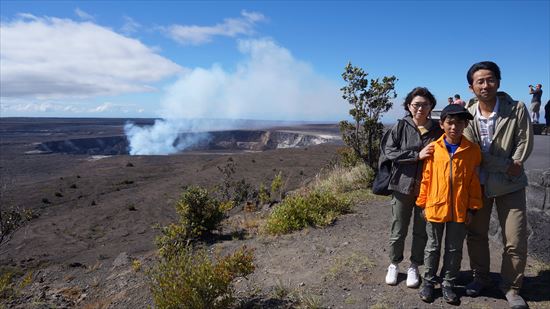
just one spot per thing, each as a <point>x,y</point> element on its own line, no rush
<point>426,152</point>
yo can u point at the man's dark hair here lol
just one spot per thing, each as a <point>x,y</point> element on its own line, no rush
<point>457,96</point>
<point>419,91</point>
<point>484,65</point>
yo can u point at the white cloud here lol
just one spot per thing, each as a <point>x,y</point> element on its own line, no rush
<point>102,108</point>
<point>83,15</point>
<point>115,108</point>
<point>12,107</point>
<point>253,16</point>
<point>40,107</point>
<point>231,27</point>
<point>27,16</point>
<point>130,26</point>
<point>45,58</point>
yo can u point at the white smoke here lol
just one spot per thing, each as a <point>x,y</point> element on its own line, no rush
<point>157,139</point>
<point>269,84</point>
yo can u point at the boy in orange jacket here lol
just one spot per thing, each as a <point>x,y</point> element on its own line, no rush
<point>450,194</point>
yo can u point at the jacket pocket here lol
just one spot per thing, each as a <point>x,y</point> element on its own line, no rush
<point>437,212</point>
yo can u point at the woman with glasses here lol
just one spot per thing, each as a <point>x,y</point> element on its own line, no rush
<point>407,147</point>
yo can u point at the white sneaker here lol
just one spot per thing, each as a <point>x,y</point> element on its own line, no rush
<point>413,279</point>
<point>391,276</point>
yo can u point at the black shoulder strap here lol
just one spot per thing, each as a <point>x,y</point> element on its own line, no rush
<point>400,124</point>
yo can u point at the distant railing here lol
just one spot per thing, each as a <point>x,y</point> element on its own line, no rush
<point>435,114</point>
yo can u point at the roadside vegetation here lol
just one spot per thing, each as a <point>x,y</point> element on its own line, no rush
<point>199,214</point>
<point>331,194</point>
<point>315,208</point>
<point>342,180</point>
<point>185,275</point>
<point>191,279</point>
<point>12,281</point>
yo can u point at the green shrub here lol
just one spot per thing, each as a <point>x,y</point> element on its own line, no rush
<point>7,290</point>
<point>345,179</point>
<point>190,279</point>
<point>198,214</point>
<point>225,188</point>
<point>229,189</point>
<point>347,157</point>
<point>263,194</point>
<point>277,185</point>
<point>8,282</point>
<point>316,208</point>
<point>242,191</point>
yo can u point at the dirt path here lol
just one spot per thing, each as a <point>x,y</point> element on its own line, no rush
<point>343,266</point>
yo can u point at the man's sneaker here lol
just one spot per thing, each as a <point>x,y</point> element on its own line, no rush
<point>427,292</point>
<point>413,279</point>
<point>449,295</point>
<point>515,301</point>
<point>391,276</point>
<point>475,287</point>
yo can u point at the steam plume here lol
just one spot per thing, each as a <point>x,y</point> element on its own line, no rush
<point>269,84</point>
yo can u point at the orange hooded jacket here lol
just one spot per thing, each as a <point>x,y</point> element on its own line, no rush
<point>450,186</point>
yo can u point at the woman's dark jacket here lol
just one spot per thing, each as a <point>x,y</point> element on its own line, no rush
<point>403,149</point>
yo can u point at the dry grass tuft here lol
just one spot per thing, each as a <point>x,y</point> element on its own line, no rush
<point>344,179</point>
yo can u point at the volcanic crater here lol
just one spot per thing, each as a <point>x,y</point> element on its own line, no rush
<point>233,140</point>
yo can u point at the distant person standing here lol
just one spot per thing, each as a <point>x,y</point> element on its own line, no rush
<point>547,117</point>
<point>535,101</point>
<point>450,100</point>
<point>502,127</point>
<point>459,101</point>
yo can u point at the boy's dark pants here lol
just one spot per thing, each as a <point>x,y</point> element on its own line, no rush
<point>454,240</point>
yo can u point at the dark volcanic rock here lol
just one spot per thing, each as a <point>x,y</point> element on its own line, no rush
<point>538,215</point>
<point>111,145</point>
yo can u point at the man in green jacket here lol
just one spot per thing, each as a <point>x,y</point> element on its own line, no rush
<point>503,130</point>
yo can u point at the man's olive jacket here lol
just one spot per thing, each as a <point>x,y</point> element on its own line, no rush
<point>512,140</point>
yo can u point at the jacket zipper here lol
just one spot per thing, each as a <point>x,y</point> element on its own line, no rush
<point>451,186</point>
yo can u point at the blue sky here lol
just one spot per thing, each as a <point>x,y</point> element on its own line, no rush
<point>273,60</point>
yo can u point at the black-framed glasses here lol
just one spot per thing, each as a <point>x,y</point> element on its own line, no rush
<point>418,106</point>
